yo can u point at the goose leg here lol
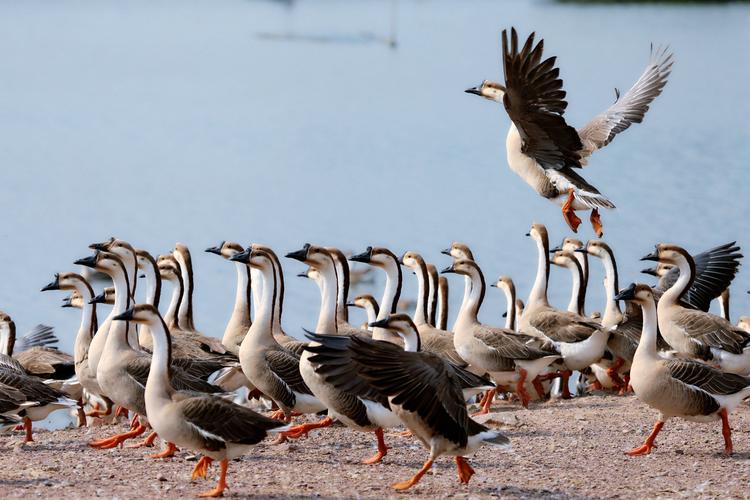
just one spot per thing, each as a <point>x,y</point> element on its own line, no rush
<point>221,485</point>
<point>646,447</point>
<point>521,389</point>
<point>464,470</point>
<point>27,427</point>
<point>301,430</point>
<point>487,403</point>
<point>134,422</point>
<point>569,214</point>
<point>382,449</point>
<point>168,452</point>
<point>118,439</point>
<point>596,222</point>
<point>405,485</point>
<point>201,468</point>
<point>612,372</point>
<point>96,413</point>
<point>726,431</point>
<point>149,441</point>
<point>539,388</point>
<point>565,389</point>
<point>121,411</point>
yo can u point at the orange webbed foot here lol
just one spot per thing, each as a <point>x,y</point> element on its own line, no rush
<point>464,470</point>
<point>149,441</point>
<point>641,450</point>
<point>596,223</point>
<point>116,440</point>
<point>298,431</point>
<point>201,468</point>
<point>221,485</point>
<point>405,485</point>
<point>168,452</point>
<point>569,214</point>
<point>382,449</point>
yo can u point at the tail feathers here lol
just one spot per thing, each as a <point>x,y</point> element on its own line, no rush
<point>496,438</point>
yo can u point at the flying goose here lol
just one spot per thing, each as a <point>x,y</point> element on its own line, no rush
<point>217,428</point>
<point>579,340</point>
<point>498,351</point>
<point>694,332</point>
<point>541,147</point>
<point>84,371</point>
<point>505,283</point>
<point>270,367</point>
<point>679,387</point>
<point>357,411</point>
<point>422,388</point>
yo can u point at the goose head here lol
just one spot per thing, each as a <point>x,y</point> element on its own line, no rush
<point>744,323</point>
<point>121,248</point>
<point>376,256</point>
<point>489,90</point>
<point>669,254</point>
<point>75,300</point>
<point>413,261</point>
<point>254,256</point>
<point>403,325</point>
<point>226,249</point>
<point>538,232</point>
<point>364,301</point>
<point>465,267</point>
<point>504,283</point>
<point>310,273</point>
<point>106,297</point>
<point>312,255</point>
<point>104,262</point>
<point>145,314</point>
<point>169,269</point>
<point>144,259</point>
<point>458,251</point>
<point>561,258</point>
<point>568,244</point>
<point>660,270</point>
<point>637,293</point>
<point>596,248</point>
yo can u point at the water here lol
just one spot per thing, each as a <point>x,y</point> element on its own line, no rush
<point>197,122</point>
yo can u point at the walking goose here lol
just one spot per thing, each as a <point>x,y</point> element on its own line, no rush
<point>422,388</point>
<point>505,283</point>
<point>541,147</point>
<point>271,368</point>
<point>356,411</point>
<point>695,332</point>
<point>497,351</point>
<point>579,340</point>
<point>679,387</point>
<point>209,424</point>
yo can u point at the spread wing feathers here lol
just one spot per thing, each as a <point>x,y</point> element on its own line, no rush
<point>419,382</point>
<point>714,271</point>
<point>631,107</point>
<point>563,326</point>
<point>295,346</point>
<point>47,362</point>
<point>220,421</point>
<point>535,101</point>
<point>10,363</point>
<point>286,366</point>
<point>442,345</point>
<point>39,336</point>
<point>566,178</point>
<point>705,377</point>
<point>138,368</point>
<point>33,388</point>
<point>10,398</point>
<point>468,380</point>
<point>712,331</point>
<point>334,362</point>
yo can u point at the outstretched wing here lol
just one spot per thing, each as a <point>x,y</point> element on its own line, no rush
<point>535,101</point>
<point>631,107</point>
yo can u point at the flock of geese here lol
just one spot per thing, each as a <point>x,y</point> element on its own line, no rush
<point>397,370</point>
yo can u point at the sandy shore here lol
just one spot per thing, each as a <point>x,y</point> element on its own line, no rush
<point>567,449</point>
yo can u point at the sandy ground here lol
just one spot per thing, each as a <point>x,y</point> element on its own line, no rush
<point>568,449</point>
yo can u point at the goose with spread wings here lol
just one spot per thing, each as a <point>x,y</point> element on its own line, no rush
<point>541,147</point>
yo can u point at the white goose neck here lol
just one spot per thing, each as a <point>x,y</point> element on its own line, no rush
<point>538,295</point>
<point>328,305</point>
<point>158,384</point>
<point>647,343</point>
<point>391,295</point>
<point>420,312</point>
<point>673,294</point>
<point>612,311</point>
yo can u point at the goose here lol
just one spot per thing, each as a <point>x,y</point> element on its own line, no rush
<point>579,340</point>
<point>85,372</point>
<point>505,283</point>
<point>679,387</point>
<point>73,300</point>
<point>442,305</point>
<point>570,244</point>
<point>694,332</point>
<point>422,388</point>
<point>356,411</point>
<point>460,251</point>
<point>271,368</point>
<point>217,428</point>
<point>500,352</point>
<point>567,260</point>
<point>122,370</point>
<point>46,399</point>
<point>240,321</point>
<point>433,291</point>
<point>369,304</point>
<point>541,147</point>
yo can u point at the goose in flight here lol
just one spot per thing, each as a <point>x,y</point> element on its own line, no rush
<point>541,147</point>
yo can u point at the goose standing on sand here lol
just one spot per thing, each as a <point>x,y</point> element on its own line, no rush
<point>497,351</point>
<point>217,428</point>
<point>679,387</point>
<point>422,388</point>
<point>695,332</point>
<point>579,340</point>
<point>541,147</point>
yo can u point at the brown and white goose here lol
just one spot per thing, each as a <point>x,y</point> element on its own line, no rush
<point>500,352</point>
<point>271,368</point>
<point>209,424</point>
<point>422,388</point>
<point>461,251</point>
<point>694,332</point>
<point>541,147</point>
<point>505,283</point>
<point>679,387</point>
<point>369,304</point>
<point>579,340</point>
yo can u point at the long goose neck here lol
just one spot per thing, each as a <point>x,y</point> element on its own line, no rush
<point>158,383</point>
<point>278,299</point>
<point>442,319</point>
<point>174,303</point>
<point>612,287</point>
<point>256,285</point>
<point>420,313</point>
<point>7,338</point>
<point>470,309</point>
<point>88,314</point>
<point>647,343</point>
<point>328,307</point>
<point>343,279</point>
<point>262,329</point>
<point>412,342</point>
<point>576,297</point>
<point>130,262</point>
<point>153,284</point>
<point>185,311</point>
<point>241,311</point>
<point>583,260</point>
<point>122,303</point>
<point>538,295</point>
<point>683,283</point>
<point>432,295</point>
<point>510,309</point>
<point>391,295</point>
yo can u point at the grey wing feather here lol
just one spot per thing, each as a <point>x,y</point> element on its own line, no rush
<point>712,330</point>
<point>631,107</point>
<point>562,326</point>
<point>286,366</point>
<point>706,377</point>
<point>39,336</point>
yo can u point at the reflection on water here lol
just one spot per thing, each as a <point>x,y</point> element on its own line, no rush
<point>173,121</point>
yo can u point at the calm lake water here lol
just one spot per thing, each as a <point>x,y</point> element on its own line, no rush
<point>287,122</point>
